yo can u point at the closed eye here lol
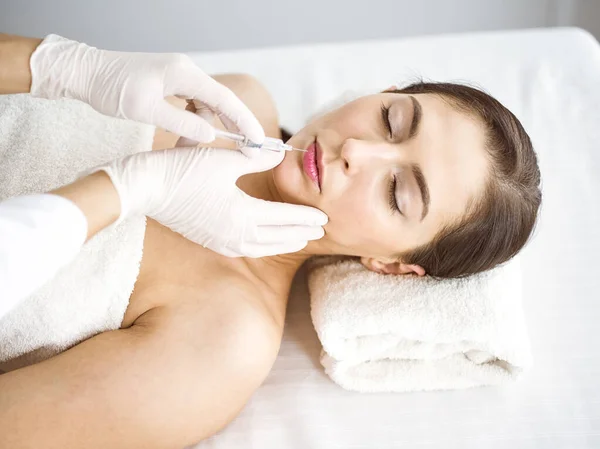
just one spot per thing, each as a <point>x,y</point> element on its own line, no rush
<point>385,117</point>
<point>392,201</point>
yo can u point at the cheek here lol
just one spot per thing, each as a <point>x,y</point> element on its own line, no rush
<point>354,120</point>
<point>355,220</point>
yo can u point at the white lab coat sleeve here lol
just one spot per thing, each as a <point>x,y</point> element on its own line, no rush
<point>39,234</point>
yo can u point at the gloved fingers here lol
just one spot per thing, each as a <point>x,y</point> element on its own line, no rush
<point>270,213</point>
<point>209,114</point>
<point>256,250</point>
<point>228,123</point>
<point>262,161</point>
<point>201,110</point>
<point>231,126</point>
<point>291,233</point>
<point>204,111</point>
<point>199,86</point>
<point>251,152</point>
<point>184,123</point>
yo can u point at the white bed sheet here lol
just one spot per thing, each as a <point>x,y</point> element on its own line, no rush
<point>551,80</point>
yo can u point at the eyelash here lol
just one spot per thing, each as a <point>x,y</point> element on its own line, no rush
<point>385,116</point>
<point>392,196</point>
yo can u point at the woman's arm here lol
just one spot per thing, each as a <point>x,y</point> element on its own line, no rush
<point>15,73</point>
<point>177,376</point>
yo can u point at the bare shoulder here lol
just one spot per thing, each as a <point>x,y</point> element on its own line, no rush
<point>228,313</point>
<point>179,374</point>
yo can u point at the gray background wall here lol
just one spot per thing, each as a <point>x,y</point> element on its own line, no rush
<point>186,25</point>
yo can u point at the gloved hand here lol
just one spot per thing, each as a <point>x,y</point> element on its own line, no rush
<point>134,86</point>
<point>193,192</point>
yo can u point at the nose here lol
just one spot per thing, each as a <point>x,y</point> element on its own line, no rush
<point>363,154</point>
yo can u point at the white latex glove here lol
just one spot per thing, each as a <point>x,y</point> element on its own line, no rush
<point>134,86</point>
<point>193,192</point>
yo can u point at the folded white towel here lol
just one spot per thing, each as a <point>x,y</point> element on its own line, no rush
<point>43,145</point>
<point>405,333</point>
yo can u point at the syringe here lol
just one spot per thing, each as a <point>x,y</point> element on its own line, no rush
<point>269,143</point>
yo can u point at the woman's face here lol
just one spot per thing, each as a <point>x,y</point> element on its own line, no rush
<point>389,170</point>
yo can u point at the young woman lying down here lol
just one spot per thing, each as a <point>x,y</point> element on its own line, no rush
<point>432,179</point>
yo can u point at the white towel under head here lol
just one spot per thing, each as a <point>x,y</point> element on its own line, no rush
<point>409,333</point>
<point>43,145</point>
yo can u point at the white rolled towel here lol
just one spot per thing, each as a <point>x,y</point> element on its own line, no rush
<point>406,333</point>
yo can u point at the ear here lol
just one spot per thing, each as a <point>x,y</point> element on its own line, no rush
<point>391,89</point>
<point>391,267</point>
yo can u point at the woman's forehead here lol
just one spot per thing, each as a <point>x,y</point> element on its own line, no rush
<point>453,154</point>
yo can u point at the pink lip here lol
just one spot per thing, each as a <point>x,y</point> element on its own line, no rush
<point>319,158</point>
<point>312,163</point>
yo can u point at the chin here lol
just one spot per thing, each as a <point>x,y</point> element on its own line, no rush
<point>290,180</point>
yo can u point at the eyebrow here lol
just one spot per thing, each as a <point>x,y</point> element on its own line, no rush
<point>416,169</point>
<point>417,115</point>
<point>423,188</point>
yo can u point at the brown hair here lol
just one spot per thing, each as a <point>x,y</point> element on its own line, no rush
<point>501,221</point>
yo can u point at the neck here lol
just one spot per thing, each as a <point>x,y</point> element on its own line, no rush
<point>276,272</point>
